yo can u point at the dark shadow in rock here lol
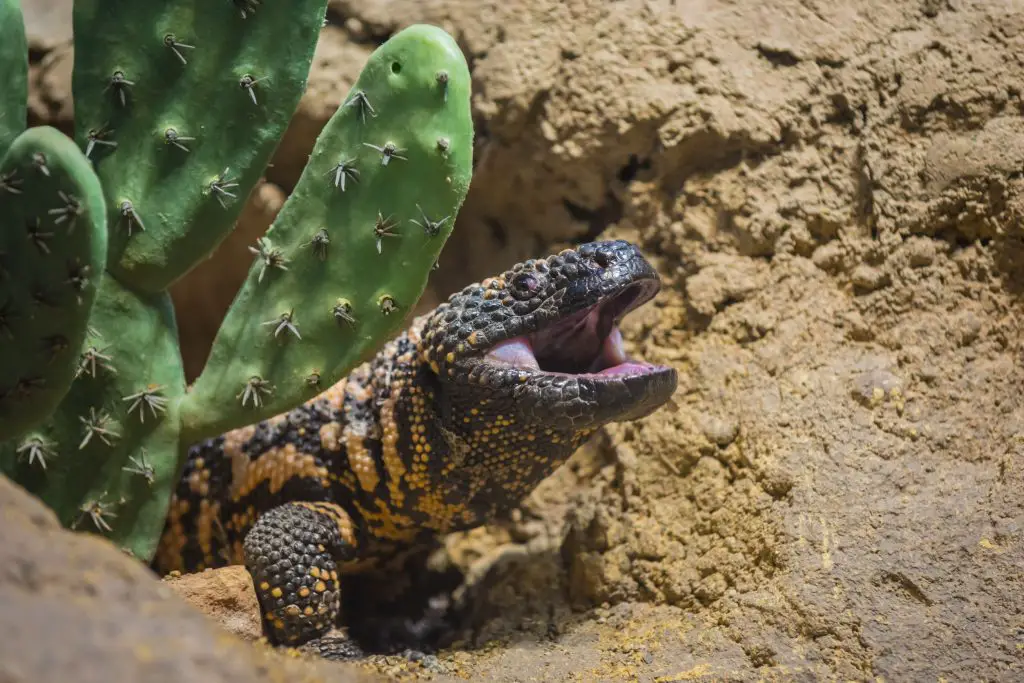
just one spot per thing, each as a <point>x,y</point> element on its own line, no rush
<point>408,607</point>
<point>424,606</point>
<point>1010,260</point>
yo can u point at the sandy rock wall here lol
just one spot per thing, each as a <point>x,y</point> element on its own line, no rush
<point>834,195</point>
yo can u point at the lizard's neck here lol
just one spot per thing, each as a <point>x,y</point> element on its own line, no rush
<point>451,456</point>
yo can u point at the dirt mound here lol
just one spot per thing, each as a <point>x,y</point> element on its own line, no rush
<point>834,194</point>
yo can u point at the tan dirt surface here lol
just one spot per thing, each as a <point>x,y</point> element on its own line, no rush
<point>834,194</point>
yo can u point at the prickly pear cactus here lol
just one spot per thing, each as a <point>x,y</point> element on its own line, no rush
<point>178,107</point>
<point>14,58</point>
<point>53,246</point>
<point>181,103</point>
<point>350,251</point>
<point>117,435</point>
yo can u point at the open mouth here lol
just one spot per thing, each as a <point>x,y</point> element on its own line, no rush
<point>586,343</point>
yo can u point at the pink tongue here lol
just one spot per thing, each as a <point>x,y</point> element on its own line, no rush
<point>612,353</point>
<point>515,351</point>
<point>627,368</point>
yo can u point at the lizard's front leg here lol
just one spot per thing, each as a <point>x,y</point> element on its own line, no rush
<point>292,553</point>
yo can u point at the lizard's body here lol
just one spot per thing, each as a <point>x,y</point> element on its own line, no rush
<point>450,426</point>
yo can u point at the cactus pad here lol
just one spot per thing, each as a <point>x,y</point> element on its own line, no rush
<point>52,250</point>
<point>181,104</point>
<point>350,252</point>
<point>117,432</point>
<point>14,67</point>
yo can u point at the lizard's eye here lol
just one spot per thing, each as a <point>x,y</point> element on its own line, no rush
<point>525,284</point>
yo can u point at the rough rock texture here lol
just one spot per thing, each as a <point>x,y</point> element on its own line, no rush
<point>47,23</point>
<point>49,95</point>
<point>227,596</point>
<point>75,608</point>
<point>834,193</point>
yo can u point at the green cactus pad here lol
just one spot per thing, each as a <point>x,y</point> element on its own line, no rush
<point>14,67</point>
<point>53,246</point>
<point>350,252</point>
<point>180,104</point>
<point>115,435</point>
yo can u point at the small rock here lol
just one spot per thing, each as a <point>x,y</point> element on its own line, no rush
<point>873,387</point>
<point>710,588</point>
<point>226,595</point>
<point>776,480</point>
<point>928,373</point>
<point>970,329</point>
<point>356,29</point>
<point>856,328</point>
<point>753,326</point>
<point>829,257</point>
<point>432,664</point>
<point>723,281</point>
<point>718,430</point>
<point>921,252</point>
<point>868,278</point>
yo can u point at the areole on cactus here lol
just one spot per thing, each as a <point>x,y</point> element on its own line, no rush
<point>177,111</point>
<point>351,250</point>
<point>54,249</point>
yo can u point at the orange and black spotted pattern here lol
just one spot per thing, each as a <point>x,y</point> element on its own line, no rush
<point>296,578</point>
<point>435,434</point>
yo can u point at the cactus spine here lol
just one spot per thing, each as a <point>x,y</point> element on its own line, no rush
<point>179,107</point>
<point>52,247</point>
<point>195,94</point>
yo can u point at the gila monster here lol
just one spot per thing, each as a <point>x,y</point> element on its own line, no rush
<point>449,427</point>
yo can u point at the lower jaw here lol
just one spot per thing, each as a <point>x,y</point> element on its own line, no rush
<point>625,370</point>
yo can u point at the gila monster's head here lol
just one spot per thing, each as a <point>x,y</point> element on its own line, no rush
<point>541,341</point>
